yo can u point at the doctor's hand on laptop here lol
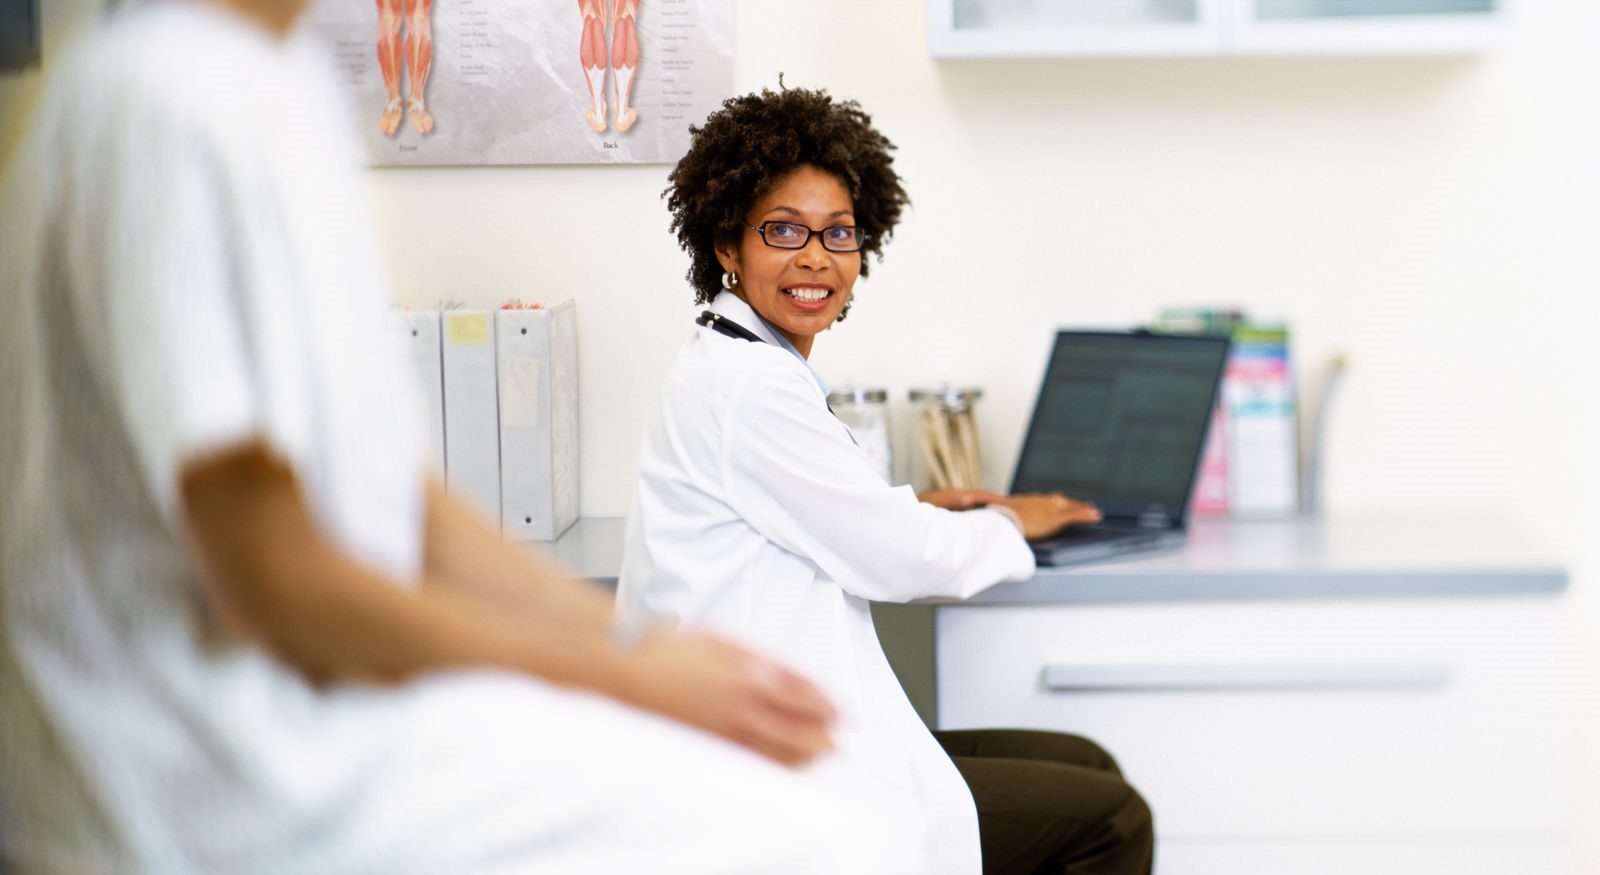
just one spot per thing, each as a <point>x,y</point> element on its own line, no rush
<point>1039,515</point>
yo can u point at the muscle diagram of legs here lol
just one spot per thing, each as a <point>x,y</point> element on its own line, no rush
<point>624,58</point>
<point>415,16</point>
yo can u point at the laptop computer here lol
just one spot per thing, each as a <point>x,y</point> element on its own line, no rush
<point>1121,421</point>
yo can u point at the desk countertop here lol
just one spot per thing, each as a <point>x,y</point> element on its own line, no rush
<point>1341,556</point>
<point>1356,556</point>
<point>592,547</point>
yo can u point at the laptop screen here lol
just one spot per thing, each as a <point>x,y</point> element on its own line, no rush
<point>1121,420</point>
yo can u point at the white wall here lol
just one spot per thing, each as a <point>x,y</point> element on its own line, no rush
<point>1434,219</point>
<point>19,92</point>
<point>1427,217</point>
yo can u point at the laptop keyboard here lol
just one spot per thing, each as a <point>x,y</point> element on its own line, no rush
<point>1095,533</point>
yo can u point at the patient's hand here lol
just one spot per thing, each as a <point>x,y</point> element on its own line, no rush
<point>960,499</point>
<point>722,688</point>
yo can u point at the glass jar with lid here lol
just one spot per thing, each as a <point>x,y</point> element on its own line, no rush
<point>948,456</point>
<point>866,413</point>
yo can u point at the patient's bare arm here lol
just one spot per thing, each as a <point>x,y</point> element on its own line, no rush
<point>276,580</point>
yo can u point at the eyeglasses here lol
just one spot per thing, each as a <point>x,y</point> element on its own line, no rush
<point>792,235</point>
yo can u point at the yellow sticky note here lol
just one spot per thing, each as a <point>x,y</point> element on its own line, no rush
<point>469,329</point>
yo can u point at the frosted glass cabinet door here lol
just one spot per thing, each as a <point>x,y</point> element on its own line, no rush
<point>1259,27</point>
<point>1151,28</point>
<point>1039,28</point>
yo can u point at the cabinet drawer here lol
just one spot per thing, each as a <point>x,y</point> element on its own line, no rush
<point>1380,857</point>
<point>1288,719</point>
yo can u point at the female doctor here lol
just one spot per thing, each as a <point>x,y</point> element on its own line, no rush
<point>757,515</point>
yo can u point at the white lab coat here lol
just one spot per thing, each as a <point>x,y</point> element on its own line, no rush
<point>757,515</point>
<point>186,263</point>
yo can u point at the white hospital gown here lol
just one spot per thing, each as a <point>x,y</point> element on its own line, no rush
<point>185,263</point>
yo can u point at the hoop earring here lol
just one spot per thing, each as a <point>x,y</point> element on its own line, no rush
<point>730,280</point>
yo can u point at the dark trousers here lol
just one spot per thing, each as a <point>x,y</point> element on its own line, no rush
<point>1051,804</point>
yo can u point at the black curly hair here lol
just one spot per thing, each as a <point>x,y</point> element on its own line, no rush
<point>749,146</point>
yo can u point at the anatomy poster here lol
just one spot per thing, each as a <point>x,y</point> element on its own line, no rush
<point>529,81</point>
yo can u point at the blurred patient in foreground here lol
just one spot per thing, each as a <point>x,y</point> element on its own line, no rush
<point>241,628</point>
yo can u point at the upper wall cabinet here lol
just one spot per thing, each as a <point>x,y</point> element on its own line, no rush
<point>1113,28</point>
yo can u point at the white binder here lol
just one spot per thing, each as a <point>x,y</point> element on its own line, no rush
<point>471,409</point>
<point>1263,446</point>
<point>538,374</point>
<point>419,335</point>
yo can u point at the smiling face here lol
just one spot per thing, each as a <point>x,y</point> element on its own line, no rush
<point>799,292</point>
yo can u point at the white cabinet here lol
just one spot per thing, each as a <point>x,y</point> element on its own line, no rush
<point>1109,28</point>
<point>1022,28</point>
<point>1363,27</point>
<point>1293,733</point>
<point>1383,695</point>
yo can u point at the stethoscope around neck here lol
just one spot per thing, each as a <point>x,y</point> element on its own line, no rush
<point>725,326</point>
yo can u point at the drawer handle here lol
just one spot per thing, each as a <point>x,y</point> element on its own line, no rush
<point>1269,676</point>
